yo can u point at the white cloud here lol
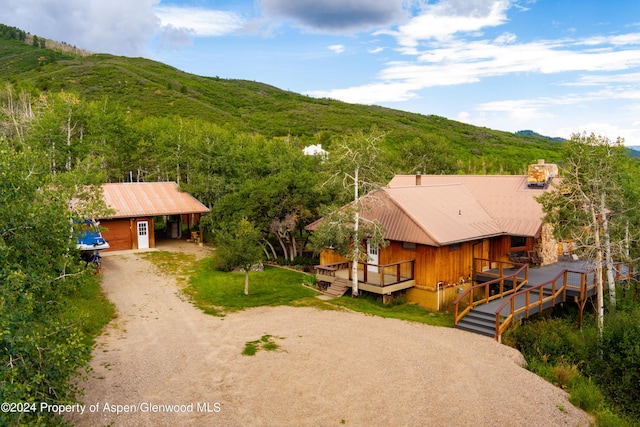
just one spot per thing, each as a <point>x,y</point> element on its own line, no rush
<point>458,62</point>
<point>337,48</point>
<point>375,50</point>
<point>443,20</point>
<point>199,22</point>
<point>369,94</point>
<point>506,38</point>
<point>116,26</point>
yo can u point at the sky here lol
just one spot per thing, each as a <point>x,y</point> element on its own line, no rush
<point>554,67</point>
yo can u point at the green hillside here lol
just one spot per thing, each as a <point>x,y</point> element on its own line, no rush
<point>149,88</point>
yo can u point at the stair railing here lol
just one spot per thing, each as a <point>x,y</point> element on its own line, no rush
<point>518,279</point>
<point>559,286</point>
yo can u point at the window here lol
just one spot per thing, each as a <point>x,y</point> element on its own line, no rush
<point>518,241</point>
<point>454,247</point>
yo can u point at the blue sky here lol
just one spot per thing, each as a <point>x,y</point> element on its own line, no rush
<point>555,67</point>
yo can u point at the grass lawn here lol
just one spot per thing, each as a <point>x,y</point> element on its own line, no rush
<point>217,292</point>
<point>90,309</point>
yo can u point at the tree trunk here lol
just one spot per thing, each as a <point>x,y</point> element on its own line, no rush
<point>607,248</point>
<point>627,243</point>
<point>246,281</point>
<point>283,246</point>
<point>68,164</point>
<point>598,273</point>
<point>294,248</point>
<point>356,239</point>
<point>273,250</point>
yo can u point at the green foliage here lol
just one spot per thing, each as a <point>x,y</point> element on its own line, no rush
<point>238,248</point>
<point>617,371</point>
<point>601,374</point>
<point>358,165</point>
<point>592,175</point>
<point>146,88</point>
<point>586,395</point>
<point>607,418</point>
<point>42,347</point>
<point>552,340</point>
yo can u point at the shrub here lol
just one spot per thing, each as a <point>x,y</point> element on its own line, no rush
<point>586,395</point>
<point>615,361</point>
<point>552,340</point>
<point>606,418</point>
<point>565,374</point>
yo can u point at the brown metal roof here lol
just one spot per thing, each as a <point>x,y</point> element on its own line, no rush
<point>136,199</point>
<point>506,198</point>
<point>447,209</point>
<point>447,213</point>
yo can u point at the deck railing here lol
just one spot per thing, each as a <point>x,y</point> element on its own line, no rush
<point>535,298</point>
<point>499,287</point>
<point>387,274</point>
<point>625,271</point>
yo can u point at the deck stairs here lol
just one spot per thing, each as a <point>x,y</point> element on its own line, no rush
<point>338,288</point>
<point>482,319</point>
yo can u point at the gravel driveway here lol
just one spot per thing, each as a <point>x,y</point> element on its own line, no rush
<point>162,362</point>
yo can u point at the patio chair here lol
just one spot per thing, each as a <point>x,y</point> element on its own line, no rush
<point>534,258</point>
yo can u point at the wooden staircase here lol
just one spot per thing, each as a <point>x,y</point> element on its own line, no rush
<point>482,319</point>
<point>338,288</point>
<point>478,322</point>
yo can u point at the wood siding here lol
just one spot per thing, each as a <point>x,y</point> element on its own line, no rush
<point>501,246</point>
<point>447,264</point>
<point>122,233</point>
<point>117,233</point>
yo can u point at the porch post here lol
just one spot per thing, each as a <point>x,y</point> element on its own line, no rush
<point>365,268</point>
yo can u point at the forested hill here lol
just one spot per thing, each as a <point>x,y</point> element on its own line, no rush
<point>151,88</point>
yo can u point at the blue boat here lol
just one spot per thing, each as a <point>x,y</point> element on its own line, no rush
<point>91,240</point>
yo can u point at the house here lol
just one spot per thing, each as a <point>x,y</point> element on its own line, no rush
<point>439,226</point>
<point>139,206</point>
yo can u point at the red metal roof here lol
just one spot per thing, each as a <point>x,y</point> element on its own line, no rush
<point>136,199</point>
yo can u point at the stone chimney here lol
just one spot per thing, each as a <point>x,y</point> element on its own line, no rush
<point>540,175</point>
<point>418,179</point>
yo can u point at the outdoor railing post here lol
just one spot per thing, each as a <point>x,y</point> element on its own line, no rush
<point>365,269</point>
<point>455,314</point>
<point>381,273</point>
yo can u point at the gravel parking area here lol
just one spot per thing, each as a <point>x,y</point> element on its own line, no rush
<point>163,362</point>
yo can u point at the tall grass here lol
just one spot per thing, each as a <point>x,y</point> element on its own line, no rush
<point>90,309</point>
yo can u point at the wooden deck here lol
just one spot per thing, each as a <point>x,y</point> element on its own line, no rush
<point>522,291</point>
<point>383,280</point>
<point>374,282</point>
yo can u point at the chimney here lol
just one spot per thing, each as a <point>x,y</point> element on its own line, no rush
<point>418,179</point>
<point>539,176</point>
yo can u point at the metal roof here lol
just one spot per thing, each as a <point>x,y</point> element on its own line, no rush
<point>447,209</point>
<point>137,199</point>
<point>505,198</point>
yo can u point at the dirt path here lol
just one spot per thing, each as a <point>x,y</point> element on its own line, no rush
<point>333,368</point>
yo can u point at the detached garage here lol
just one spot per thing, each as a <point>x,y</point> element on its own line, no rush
<point>138,205</point>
